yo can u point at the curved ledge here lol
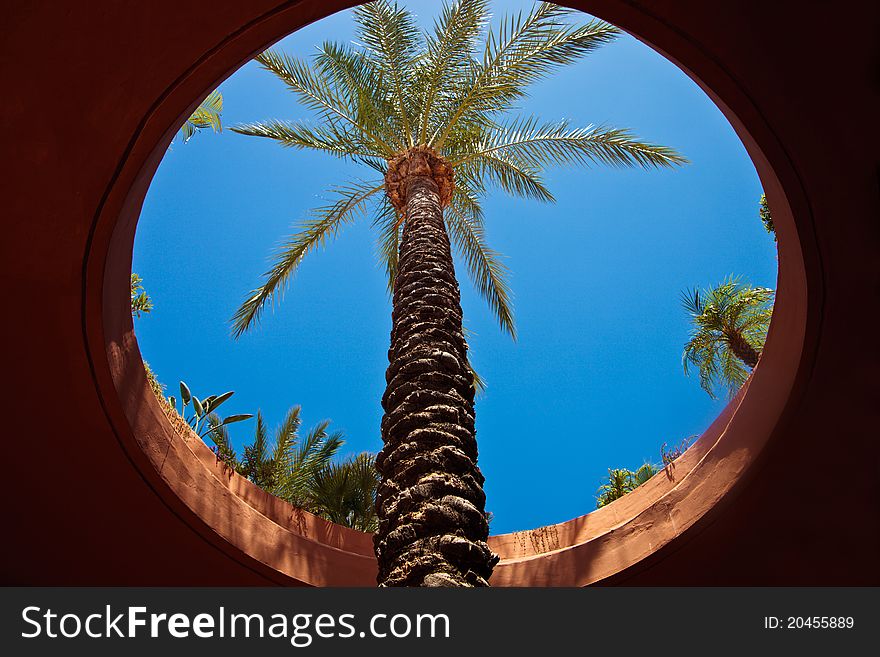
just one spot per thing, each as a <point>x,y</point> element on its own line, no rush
<point>291,547</point>
<point>297,547</point>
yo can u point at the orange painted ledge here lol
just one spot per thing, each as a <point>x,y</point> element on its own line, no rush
<point>299,548</point>
<point>295,547</point>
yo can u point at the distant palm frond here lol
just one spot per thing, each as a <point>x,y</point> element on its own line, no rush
<point>207,115</point>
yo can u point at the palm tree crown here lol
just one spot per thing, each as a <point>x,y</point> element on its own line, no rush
<point>443,92</point>
<point>730,323</point>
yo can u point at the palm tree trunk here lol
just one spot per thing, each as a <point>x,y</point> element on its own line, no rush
<point>432,525</point>
<point>742,349</point>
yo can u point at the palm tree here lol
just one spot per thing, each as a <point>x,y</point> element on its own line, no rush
<point>428,112</point>
<point>730,323</point>
<point>618,484</point>
<point>303,472</point>
<point>622,481</point>
<point>345,492</point>
<point>286,465</point>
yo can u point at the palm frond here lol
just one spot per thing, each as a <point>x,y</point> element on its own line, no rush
<point>619,483</point>
<point>484,265</point>
<point>393,38</point>
<point>345,492</point>
<point>390,233</point>
<point>539,144</point>
<point>206,115</point>
<point>509,173</point>
<point>261,440</point>
<point>692,301</point>
<point>329,139</point>
<point>357,78</point>
<point>644,473</point>
<point>479,382</point>
<point>325,223</point>
<point>313,453</point>
<point>286,438</point>
<point>322,447</point>
<point>732,374</point>
<point>290,426</point>
<point>377,164</point>
<point>219,435</point>
<point>525,49</point>
<point>255,464</point>
<point>319,95</point>
<point>448,53</point>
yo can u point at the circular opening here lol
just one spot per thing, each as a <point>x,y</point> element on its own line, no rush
<point>586,549</point>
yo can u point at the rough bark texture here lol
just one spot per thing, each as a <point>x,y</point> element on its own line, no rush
<point>743,350</point>
<point>432,526</point>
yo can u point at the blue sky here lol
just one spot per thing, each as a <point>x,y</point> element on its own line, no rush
<point>594,380</point>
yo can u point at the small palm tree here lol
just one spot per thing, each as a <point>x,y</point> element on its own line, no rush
<point>302,472</point>
<point>429,112</point>
<point>283,466</point>
<point>621,481</point>
<point>345,492</point>
<point>730,323</point>
<point>618,484</point>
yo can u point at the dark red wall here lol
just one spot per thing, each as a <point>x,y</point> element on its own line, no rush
<point>90,90</point>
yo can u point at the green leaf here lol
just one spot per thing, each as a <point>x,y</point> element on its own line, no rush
<point>317,93</point>
<point>447,55</point>
<point>329,139</point>
<point>217,401</point>
<point>536,145</point>
<point>392,38</point>
<point>524,49</point>
<point>237,418</point>
<point>485,266</point>
<point>185,394</point>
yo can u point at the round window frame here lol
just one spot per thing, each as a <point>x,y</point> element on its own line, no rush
<point>293,547</point>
